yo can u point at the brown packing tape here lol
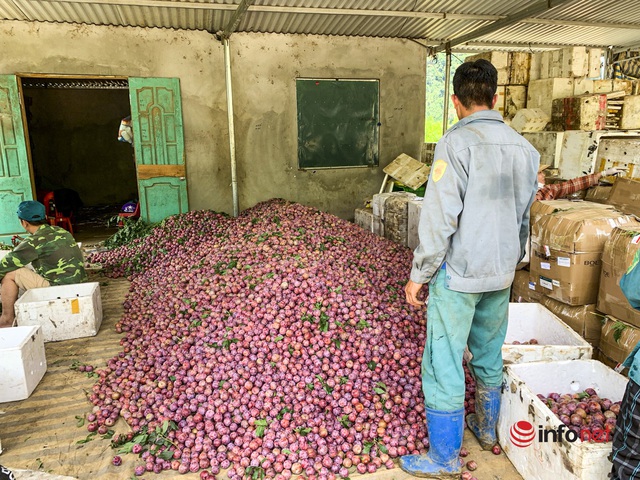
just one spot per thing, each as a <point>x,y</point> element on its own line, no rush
<point>577,231</point>
<point>584,319</point>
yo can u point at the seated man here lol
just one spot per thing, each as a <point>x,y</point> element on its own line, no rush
<point>52,251</point>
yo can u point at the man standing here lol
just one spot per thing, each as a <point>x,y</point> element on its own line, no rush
<point>473,231</point>
<point>52,251</point>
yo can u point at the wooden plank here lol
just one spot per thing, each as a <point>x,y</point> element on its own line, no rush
<point>408,170</point>
<point>146,172</point>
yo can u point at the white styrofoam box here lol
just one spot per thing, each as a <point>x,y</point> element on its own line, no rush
<point>575,62</point>
<point>515,98</point>
<point>363,217</point>
<point>582,86</point>
<point>541,93</point>
<point>23,362</point>
<point>545,65</point>
<point>63,311</point>
<point>556,340</point>
<point>414,211</point>
<point>621,151</point>
<point>553,460</point>
<point>534,67</point>
<point>499,105</point>
<point>555,66</point>
<point>548,144</point>
<point>530,120</point>
<point>377,204</point>
<point>595,62</point>
<point>578,153</point>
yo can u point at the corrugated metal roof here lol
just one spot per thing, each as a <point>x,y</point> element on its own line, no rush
<point>574,22</point>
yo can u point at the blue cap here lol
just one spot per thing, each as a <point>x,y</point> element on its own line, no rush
<point>31,211</point>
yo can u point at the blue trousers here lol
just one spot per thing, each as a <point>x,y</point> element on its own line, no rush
<point>455,320</point>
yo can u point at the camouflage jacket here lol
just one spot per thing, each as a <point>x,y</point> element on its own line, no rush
<point>54,254</point>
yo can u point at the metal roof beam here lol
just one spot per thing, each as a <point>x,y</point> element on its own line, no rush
<point>236,18</point>
<point>530,11</point>
<point>275,9</point>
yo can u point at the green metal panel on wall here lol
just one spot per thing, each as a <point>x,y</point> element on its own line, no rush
<point>156,112</point>
<point>338,122</point>
<point>15,175</point>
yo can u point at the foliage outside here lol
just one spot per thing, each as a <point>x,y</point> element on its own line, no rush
<point>435,95</point>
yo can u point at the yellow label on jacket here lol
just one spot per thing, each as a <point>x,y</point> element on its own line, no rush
<point>439,167</point>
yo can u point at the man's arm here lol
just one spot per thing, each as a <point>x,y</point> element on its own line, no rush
<point>21,256</point>
<point>443,202</point>
<point>559,190</point>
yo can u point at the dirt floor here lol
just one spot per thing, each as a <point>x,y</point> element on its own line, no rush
<point>42,434</point>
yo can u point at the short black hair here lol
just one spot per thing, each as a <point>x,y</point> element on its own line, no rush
<point>35,223</point>
<point>475,83</point>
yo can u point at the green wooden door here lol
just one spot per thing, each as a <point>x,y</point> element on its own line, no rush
<point>15,174</point>
<point>156,113</point>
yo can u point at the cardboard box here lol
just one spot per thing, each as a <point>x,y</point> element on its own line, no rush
<point>545,207</point>
<point>414,212</point>
<point>630,119</point>
<point>520,287</point>
<point>583,319</point>
<point>530,120</point>
<point>548,144</point>
<point>598,194</point>
<point>556,341</point>
<point>619,251</point>
<point>23,362</point>
<point>566,251</point>
<point>572,278</point>
<point>541,93</point>
<point>554,460</point>
<point>63,311</point>
<point>618,339</point>
<point>364,218</point>
<point>625,196</point>
<point>584,112</point>
<point>578,230</point>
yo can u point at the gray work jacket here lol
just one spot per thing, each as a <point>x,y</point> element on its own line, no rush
<point>475,215</point>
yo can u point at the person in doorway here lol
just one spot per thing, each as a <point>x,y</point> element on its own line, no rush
<point>626,437</point>
<point>559,190</point>
<point>472,236</point>
<point>52,251</point>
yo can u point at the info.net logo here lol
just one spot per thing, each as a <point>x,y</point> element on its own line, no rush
<point>522,434</point>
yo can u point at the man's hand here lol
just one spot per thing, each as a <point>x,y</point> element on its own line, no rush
<point>614,171</point>
<point>411,291</point>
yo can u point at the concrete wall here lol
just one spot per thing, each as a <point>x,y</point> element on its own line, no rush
<point>264,67</point>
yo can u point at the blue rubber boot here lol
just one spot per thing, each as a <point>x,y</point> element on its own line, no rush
<point>483,422</point>
<point>446,430</point>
